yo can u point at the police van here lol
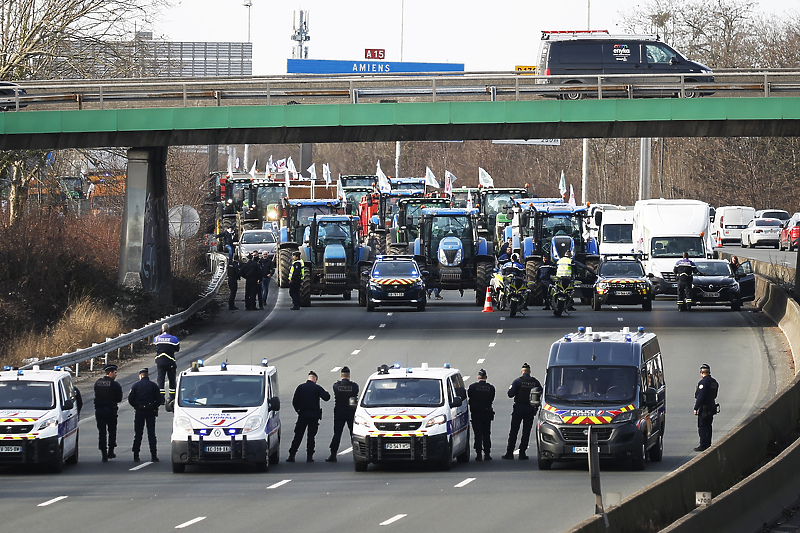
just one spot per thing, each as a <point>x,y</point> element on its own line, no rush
<point>417,414</point>
<point>226,414</point>
<point>39,413</point>
<point>612,381</point>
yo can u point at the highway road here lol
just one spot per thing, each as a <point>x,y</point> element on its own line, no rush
<point>497,495</point>
<point>763,253</point>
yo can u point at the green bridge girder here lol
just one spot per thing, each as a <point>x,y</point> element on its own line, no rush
<point>276,124</point>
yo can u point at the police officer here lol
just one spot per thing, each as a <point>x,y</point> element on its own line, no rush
<point>705,406</point>
<point>228,238</point>
<point>684,268</point>
<point>505,250</point>
<point>166,347</point>
<point>524,411</point>
<point>251,272</point>
<point>306,403</point>
<point>234,275</point>
<point>267,270</point>
<point>107,395</point>
<point>343,412</point>
<point>145,397</point>
<point>545,277</point>
<point>481,397</point>
<point>296,274</point>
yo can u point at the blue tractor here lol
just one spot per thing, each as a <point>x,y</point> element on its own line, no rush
<point>333,257</point>
<point>449,248</point>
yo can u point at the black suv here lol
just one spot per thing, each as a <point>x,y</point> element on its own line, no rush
<point>715,283</point>
<point>393,280</point>
<point>621,280</point>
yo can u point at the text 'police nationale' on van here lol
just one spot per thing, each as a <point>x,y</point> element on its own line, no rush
<point>412,414</point>
<point>612,381</point>
<point>39,412</point>
<point>580,57</point>
<point>226,414</point>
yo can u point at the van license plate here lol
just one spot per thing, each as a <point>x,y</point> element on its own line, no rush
<point>623,293</point>
<point>711,294</point>
<point>218,449</point>
<point>10,449</point>
<point>582,449</point>
<point>396,295</point>
<point>398,446</point>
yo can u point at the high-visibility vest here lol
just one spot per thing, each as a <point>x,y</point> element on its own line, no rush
<point>564,267</point>
<point>302,269</point>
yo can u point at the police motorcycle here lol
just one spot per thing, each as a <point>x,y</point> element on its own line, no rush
<point>562,289</point>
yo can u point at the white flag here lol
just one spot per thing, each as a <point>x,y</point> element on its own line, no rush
<point>270,165</point>
<point>253,170</point>
<point>290,167</point>
<point>383,181</point>
<point>280,164</point>
<point>312,170</point>
<point>430,179</point>
<point>469,199</point>
<point>484,178</point>
<point>340,192</point>
<point>326,173</point>
<point>571,196</point>
<point>90,190</point>
<point>449,179</point>
<point>562,185</point>
<point>230,168</point>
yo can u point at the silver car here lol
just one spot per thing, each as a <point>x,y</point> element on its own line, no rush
<point>252,240</point>
<point>762,232</point>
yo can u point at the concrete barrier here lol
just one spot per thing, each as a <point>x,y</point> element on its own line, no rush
<point>745,493</point>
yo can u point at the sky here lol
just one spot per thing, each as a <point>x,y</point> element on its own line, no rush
<point>494,35</point>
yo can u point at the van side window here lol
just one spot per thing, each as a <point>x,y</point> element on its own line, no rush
<point>658,53</point>
<point>581,53</point>
<point>273,386</point>
<point>451,393</point>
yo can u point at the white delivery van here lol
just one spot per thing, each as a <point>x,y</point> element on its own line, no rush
<point>614,225</point>
<point>663,230</point>
<point>226,414</point>
<point>39,412</point>
<point>729,221</point>
<point>412,414</point>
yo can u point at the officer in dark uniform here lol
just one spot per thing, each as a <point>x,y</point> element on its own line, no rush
<point>524,411</point>
<point>267,270</point>
<point>296,274</point>
<point>251,272</point>
<point>166,347</point>
<point>306,403</point>
<point>545,277</point>
<point>234,275</point>
<point>145,397</point>
<point>481,397</point>
<point>684,269</point>
<point>343,412</point>
<point>705,406</point>
<point>107,395</point>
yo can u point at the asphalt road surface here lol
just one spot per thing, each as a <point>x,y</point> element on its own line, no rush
<point>490,496</point>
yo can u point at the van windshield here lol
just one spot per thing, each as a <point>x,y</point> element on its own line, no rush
<point>20,395</point>
<point>406,392</point>
<point>221,391</point>
<point>596,384</point>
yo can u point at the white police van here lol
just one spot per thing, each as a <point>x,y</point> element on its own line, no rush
<point>39,413</point>
<point>226,414</point>
<point>412,414</point>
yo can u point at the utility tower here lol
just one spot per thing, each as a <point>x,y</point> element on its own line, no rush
<point>300,27</point>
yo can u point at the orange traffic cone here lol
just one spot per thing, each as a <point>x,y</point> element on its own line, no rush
<point>719,240</point>
<point>487,306</point>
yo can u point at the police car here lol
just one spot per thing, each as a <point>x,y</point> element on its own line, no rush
<point>226,414</point>
<point>621,280</point>
<point>393,280</point>
<point>417,414</point>
<point>39,413</point>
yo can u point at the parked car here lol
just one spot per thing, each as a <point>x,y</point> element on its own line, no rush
<point>716,284</point>
<point>621,280</point>
<point>780,214</point>
<point>790,235</point>
<point>762,232</point>
<point>256,240</point>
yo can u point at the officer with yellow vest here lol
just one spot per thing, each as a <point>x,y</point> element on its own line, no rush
<point>564,269</point>
<point>296,275</point>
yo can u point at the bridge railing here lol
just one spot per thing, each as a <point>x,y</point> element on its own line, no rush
<point>219,263</point>
<point>305,89</point>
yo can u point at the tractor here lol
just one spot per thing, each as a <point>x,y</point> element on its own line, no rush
<point>376,211</point>
<point>405,226</point>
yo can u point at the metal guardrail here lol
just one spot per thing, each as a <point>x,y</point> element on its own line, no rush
<point>219,262</point>
<point>479,86</point>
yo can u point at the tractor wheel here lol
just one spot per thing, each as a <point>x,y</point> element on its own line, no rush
<point>537,294</point>
<point>482,277</point>
<point>284,266</point>
<point>305,288</point>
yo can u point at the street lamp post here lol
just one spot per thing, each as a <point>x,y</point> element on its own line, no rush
<point>248,4</point>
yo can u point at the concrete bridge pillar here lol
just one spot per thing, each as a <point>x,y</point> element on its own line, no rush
<point>144,258</point>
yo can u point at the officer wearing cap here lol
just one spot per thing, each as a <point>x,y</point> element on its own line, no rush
<point>481,397</point>
<point>145,397</point>
<point>705,406</point>
<point>343,412</point>
<point>166,347</point>
<point>306,404</point>
<point>296,275</point>
<point>524,411</point>
<point>107,395</point>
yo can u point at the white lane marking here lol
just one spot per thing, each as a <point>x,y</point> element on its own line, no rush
<point>499,331</point>
<point>190,522</point>
<point>492,344</point>
<point>392,520</point>
<point>480,361</point>
<point>335,369</point>
<point>140,466</point>
<point>371,337</point>
<point>345,452</point>
<point>464,483</point>
<point>389,314</point>
<point>279,484</point>
<point>619,319</point>
<point>466,378</point>
<point>502,318</point>
<point>355,352</point>
<point>382,326</point>
<point>54,500</point>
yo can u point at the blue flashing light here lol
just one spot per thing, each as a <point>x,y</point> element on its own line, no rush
<point>231,431</point>
<point>396,366</point>
<point>581,330</point>
<point>204,431</point>
<point>640,329</point>
<point>409,370</point>
<point>56,368</point>
<point>223,366</point>
<point>20,373</point>
<point>199,362</point>
<point>6,367</point>
<point>447,365</point>
<point>264,362</point>
<point>628,338</point>
<point>567,338</point>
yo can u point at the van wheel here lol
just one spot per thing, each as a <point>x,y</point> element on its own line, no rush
<point>263,466</point>
<point>58,463</point>
<point>637,462</point>
<point>597,305</point>
<point>647,305</point>
<point>360,466</point>
<point>574,95</point>
<point>656,453</point>
<point>178,468</point>
<point>544,464</point>
<point>274,457</point>
<point>73,459</point>
<point>447,458</point>
<point>689,94</point>
<point>464,456</point>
